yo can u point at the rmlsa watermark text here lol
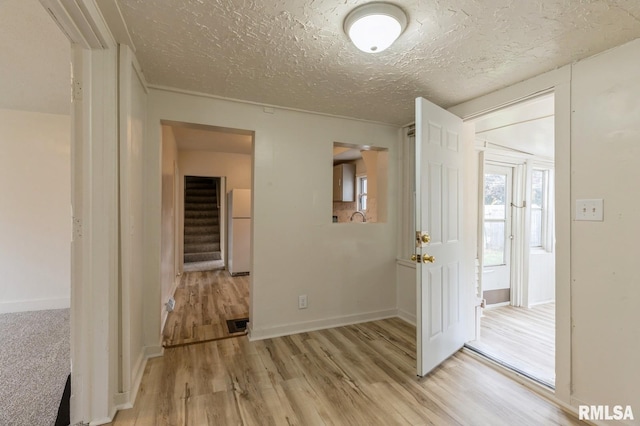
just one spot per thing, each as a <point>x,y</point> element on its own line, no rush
<point>605,412</point>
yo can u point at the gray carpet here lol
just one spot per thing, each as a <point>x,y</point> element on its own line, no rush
<point>34,365</point>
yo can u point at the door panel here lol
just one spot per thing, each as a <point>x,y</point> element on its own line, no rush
<point>453,213</point>
<point>453,288</point>
<point>434,221</point>
<point>439,160</point>
<point>435,301</point>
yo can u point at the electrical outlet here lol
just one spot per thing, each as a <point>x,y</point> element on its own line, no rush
<point>302,301</point>
<point>171,304</point>
<point>592,210</point>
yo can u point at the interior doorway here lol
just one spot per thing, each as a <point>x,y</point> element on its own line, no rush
<point>209,298</point>
<point>35,221</point>
<point>202,223</point>
<point>517,245</point>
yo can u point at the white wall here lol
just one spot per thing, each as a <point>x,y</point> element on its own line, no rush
<point>542,272</point>
<point>235,167</point>
<point>605,160</point>
<point>347,270</point>
<point>133,106</point>
<point>35,212</point>
<point>168,275</point>
<point>406,291</point>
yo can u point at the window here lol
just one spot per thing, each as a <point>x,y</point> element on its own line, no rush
<point>539,196</point>
<point>495,219</point>
<point>362,193</point>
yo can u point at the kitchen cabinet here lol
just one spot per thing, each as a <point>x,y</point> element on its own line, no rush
<point>344,182</point>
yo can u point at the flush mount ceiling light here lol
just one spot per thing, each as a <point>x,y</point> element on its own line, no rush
<point>373,27</point>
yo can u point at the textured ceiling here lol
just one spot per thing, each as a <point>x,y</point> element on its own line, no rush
<point>34,59</point>
<point>294,53</point>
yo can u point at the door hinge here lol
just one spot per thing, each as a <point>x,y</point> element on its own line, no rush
<point>483,303</point>
<point>77,228</point>
<point>76,90</point>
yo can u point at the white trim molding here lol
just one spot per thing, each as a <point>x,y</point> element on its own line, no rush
<point>34,305</point>
<point>94,247</point>
<point>407,317</point>
<point>81,22</point>
<point>320,324</point>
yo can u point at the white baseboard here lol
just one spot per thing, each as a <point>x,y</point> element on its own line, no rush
<point>172,293</point>
<point>544,302</point>
<point>35,305</point>
<point>125,400</point>
<point>302,327</point>
<point>153,351</point>
<point>121,401</point>
<point>575,402</point>
<point>407,316</point>
<point>137,377</point>
<point>497,305</point>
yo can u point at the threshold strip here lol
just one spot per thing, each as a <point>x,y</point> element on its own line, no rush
<point>510,367</point>
<point>215,339</point>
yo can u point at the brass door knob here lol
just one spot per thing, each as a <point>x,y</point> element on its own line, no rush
<point>425,238</point>
<point>428,259</point>
<point>414,258</point>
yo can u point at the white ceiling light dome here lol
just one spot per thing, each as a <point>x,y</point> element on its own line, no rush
<point>373,27</point>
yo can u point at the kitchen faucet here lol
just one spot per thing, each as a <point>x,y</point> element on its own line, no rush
<point>364,219</point>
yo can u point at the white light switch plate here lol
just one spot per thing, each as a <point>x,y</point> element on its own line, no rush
<point>592,210</point>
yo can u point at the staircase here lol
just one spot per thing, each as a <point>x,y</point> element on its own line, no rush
<point>201,220</point>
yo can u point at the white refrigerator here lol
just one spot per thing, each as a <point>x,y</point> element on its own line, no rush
<point>239,231</point>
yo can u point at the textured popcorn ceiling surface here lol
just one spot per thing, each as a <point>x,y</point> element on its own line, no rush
<point>294,53</point>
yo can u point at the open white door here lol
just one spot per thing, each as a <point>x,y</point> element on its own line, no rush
<point>439,159</point>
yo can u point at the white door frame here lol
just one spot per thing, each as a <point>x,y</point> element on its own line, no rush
<point>559,82</point>
<point>519,247</point>
<point>94,189</point>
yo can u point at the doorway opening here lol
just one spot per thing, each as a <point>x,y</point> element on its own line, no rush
<point>207,182</point>
<point>516,278</point>
<point>35,221</point>
<point>202,245</point>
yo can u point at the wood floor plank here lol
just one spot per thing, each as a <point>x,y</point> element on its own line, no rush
<point>205,300</point>
<point>521,337</point>
<point>361,374</point>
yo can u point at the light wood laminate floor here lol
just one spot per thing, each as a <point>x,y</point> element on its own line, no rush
<point>204,302</point>
<point>521,337</point>
<point>355,375</point>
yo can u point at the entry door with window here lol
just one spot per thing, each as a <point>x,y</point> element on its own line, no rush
<point>439,252</point>
<point>497,234</point>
